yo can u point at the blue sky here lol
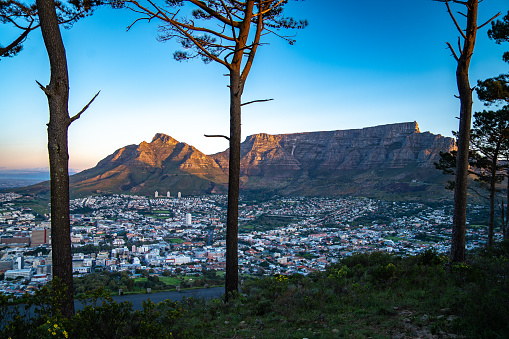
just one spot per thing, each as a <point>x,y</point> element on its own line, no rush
<point>358,64</point>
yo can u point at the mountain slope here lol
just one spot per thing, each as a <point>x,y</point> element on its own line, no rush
<point>161,165</point>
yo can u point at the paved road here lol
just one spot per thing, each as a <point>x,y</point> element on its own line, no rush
<point>137,299</point>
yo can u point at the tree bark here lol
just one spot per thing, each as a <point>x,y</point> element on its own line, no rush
<point>237,81</point>
<point>505,224</point>
<point>493,191</point>
<point>232,271</point>
<point>458,241</point>
<point>57,93</point>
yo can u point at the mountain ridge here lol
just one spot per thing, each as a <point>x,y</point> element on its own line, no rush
<point>388,159</point>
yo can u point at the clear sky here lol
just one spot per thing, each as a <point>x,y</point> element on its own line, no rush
<point>358,64</point>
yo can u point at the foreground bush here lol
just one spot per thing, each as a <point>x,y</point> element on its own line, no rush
<point>365,295</point>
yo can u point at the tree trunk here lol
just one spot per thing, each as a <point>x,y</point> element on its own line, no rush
<point>493,191</point>
<point>58,95</point>
<point>232,271</point>
<point>458,241</point>
<point>506,224</point>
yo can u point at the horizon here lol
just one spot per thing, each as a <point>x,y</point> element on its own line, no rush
<point>387,69</point>
<point>30,171</point>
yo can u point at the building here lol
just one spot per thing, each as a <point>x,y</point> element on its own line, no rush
<point>14,240</point>
<point>168,194</point>
<point>177,260</point>
<point>6,264</point>
<point>13,274</point>
<point>188,219</point>
<point>19,263</point>
<point>156,194</point>
<point>179,195</point>
<point>39,237</point>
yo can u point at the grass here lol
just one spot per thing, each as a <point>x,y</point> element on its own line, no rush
<point>374,295</point>
<point>167,280</point>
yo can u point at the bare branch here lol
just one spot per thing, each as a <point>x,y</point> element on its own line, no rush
<point>252,52</point>
<point>135,21</point>
<point>44,89</point>
<point>487,22</point>
<point>77,116</point>
<point>453,52</point>
<point>217,136</point>
<point>454,19</point>
<point>254,101</point>
<point>477,192</point>
<point>230,17</point>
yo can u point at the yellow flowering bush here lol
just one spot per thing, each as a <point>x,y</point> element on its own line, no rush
<point>51,329</point>
<point>280,278</point>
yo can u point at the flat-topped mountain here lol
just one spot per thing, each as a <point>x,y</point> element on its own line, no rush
<point>394,158</point>
<point>384,161</point>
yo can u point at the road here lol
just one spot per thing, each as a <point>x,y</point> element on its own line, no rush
<point>137,299</point>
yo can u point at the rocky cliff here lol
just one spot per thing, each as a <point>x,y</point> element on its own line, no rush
<point>337,153</point>
<point>393,146</point>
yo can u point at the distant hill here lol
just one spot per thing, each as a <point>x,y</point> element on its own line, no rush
<point>390,161</point>
<point>10,178</point>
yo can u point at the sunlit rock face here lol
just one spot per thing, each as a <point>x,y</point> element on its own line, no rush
<point>388,146</point>
<point>391,158</point>
<point>162,165</point>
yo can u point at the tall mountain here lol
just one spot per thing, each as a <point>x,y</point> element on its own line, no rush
<point>162,165</point>
<point>383,160</point>
<point>388,161</point>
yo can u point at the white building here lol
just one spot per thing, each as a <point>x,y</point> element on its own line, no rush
<point>168,194</point>
<point>13,274</point>
<point>156,194</point>
<point>177,260</point>
<point>179,195</point>
<point>188,219</point>
<point>19,263</point>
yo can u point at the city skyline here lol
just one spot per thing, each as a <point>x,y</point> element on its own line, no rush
<point>356,65</point>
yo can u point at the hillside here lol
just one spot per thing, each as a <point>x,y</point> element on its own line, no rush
<point>375,295</point>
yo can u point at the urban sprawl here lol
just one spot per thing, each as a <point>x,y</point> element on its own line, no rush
<point>281,235</point>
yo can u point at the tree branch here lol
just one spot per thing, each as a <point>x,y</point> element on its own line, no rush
<point>453,52</point>
<point>202,5</point>
<point>217,136</point>
<point>44,89</point>
<point>252,52</point>
<point>77,116</point>
<point>4,50</point>
<point>478,193</point>
<point>270,8</point>
<point>252,102</point>
<point>454,19</point>
<point>487,22</point>
<point>231,19</point>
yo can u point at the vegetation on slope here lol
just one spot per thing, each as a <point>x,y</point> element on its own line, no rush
<point>366,295</point>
